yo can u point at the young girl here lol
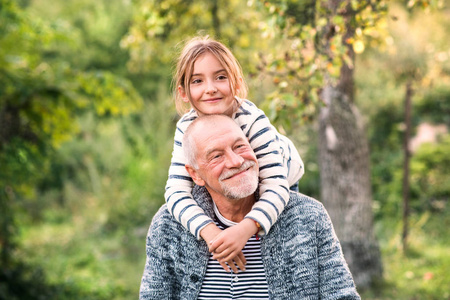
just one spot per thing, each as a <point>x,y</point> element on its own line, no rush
<point>209,80</point>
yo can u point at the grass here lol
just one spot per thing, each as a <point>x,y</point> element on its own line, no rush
<point>421,272</point>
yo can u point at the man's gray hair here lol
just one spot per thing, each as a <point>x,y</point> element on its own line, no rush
<point>189,146</point>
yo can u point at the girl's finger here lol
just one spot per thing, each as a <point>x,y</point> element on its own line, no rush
<point>225,267</point>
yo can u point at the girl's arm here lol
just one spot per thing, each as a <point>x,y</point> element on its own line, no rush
<point>273,187</point>
<point>178,195</point>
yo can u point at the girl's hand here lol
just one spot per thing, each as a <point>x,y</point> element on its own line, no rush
<point>238,261</point>
<point>227,246</point>
<point>209,233</point>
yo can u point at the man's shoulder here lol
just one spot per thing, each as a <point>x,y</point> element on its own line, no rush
<point>162,212</point>
<point>302,216</point>
<point>306,205</point>
<point>163,219</point>
<point>303,199</point>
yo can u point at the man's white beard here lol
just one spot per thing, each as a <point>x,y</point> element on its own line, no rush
<point>245,186</point>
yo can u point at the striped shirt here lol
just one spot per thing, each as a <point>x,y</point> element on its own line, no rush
<point>250,284</point>
<point>280,166</point>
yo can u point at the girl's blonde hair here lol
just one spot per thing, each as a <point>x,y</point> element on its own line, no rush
<point>192,50</point>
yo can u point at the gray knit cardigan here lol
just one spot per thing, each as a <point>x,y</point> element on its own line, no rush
<point>301,254</point>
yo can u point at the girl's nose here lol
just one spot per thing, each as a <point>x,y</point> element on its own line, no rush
<point>211,88</point>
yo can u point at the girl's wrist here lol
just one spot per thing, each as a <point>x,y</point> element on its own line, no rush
<point>251,227</point>
<point>209,232</point>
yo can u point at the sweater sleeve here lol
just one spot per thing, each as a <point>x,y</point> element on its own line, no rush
<point>273,187</point>
<point>174,262</point>
<point>335,279</point>
<point>157,270</point>
<point>180,202</point>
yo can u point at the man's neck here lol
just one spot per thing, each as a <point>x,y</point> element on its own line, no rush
<point>234,210</point>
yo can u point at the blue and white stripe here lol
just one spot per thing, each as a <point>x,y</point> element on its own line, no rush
<point>250,284</point>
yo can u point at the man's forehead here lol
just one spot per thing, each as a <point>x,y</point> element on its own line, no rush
<point>212,134</point>
<point>219,125</point>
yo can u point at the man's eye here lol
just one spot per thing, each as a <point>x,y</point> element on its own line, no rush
<point>215,157</point>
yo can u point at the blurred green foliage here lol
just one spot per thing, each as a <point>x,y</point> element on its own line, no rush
<point>435,105</point>
<point>87,127</point>
<point>316,36</point>
<point>159,27</point>
<point>430,176</point>
<point>41,101</point>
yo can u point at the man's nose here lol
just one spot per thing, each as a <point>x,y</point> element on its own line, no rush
<point>234,160</point>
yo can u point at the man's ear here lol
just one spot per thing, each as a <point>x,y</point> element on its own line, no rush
<point>194,175</point>
<point>183,94</point>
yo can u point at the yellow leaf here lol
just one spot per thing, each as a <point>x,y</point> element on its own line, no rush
<point>358,47</point>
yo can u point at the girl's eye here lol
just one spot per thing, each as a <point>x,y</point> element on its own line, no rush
<point>221,77</point>
<point>195,81</point>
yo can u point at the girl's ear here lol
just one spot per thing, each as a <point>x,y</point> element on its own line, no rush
<point>194,175</point>
<point>182,93</point>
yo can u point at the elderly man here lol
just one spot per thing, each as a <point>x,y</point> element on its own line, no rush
<point>300,258</point>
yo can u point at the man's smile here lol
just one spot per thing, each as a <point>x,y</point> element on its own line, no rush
<point>246,166</point>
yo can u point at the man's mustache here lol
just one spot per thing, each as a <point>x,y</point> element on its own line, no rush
<point>247,164</point>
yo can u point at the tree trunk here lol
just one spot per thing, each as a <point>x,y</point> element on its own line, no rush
<point>345,180</point>
<point>345,185</point>
<point>407,155</point>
